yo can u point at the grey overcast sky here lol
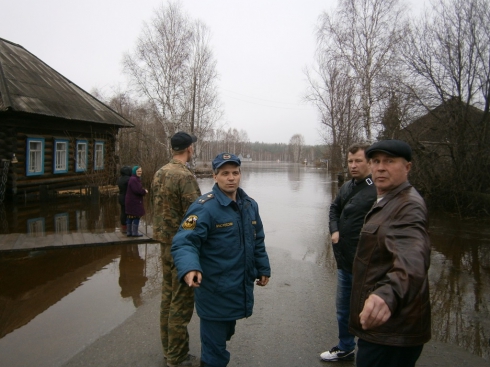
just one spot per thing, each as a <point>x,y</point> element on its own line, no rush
<point>261,47</point>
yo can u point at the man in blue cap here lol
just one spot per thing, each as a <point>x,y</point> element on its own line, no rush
<point>219,250</point>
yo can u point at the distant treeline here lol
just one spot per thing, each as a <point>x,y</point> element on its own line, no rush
<point>259,151</point>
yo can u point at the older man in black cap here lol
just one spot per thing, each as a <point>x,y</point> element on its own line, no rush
<point>390,306</point>
<point>174,189</point>
<point>219,251</point>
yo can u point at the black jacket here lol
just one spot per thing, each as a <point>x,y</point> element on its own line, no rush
<point>347,218</point>
<point>122,182</point>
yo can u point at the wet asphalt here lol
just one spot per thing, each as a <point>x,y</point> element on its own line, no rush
<point>293,322</point>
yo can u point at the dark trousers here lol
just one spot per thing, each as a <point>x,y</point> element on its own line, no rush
<point>123,215</point>
<point>214,335</point>
<point>377,355</point>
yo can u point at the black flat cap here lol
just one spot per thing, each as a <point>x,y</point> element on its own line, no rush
<point>395,148</point>
<point>182,140</point>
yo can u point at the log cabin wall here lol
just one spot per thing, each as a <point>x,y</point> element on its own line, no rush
<point>38,105</point>
<point>15,141</point>
<point>63,214</point>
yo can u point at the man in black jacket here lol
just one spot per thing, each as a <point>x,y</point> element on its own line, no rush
<point>347,212</point>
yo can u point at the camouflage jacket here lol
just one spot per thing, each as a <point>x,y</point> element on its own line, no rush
<point>174,188</point>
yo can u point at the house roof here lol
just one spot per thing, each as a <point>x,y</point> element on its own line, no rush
<point>440,123</point>
<point>28,85</point>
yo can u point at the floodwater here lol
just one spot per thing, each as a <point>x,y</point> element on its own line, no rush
<point>54,303</point>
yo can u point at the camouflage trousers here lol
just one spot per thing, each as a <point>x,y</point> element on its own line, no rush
<point>175,310</point>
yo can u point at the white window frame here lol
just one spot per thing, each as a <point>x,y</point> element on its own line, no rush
<point>61,223</point>
<point>35,227</point>
<point>82,221</point>
<point>81,156</point>
<point>35,157</point>
<point>60,164</point>
<point>99,155</point>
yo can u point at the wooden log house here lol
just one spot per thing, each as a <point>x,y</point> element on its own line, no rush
<point>53,134</point>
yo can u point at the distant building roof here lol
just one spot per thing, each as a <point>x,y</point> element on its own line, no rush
<point>28,85</point>
<point>440,123</point>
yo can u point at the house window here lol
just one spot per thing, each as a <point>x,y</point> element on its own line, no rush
<point>82,221</point>
<point>99,155</point>
<point>61,223</point>
<point>81,161</point>
<point>60,156</point>
<point>35,227</point>
<point>35,157</point>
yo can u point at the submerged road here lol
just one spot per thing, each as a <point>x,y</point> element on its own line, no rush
<point>293,322</point>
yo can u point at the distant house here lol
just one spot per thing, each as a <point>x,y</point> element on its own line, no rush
<point>53,134</point>
<point>446,127</point>
<point>450,147</point>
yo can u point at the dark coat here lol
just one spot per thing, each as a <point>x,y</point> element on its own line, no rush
<point>134,197</point>
<point>226,244</point>
<point>347,219</point>
<point>392,261</point>
<point>122,183</point>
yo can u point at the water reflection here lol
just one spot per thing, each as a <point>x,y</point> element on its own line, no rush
<point>292,201</point>
<point>63,215</point>
<point>460,281</point>
<point>45,295</point>
<point>294,177</point>
<point>32,281</point>
<point>132,276</point>
<point>52,302</point>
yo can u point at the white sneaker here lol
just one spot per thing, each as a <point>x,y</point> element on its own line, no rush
<point>336,354</point>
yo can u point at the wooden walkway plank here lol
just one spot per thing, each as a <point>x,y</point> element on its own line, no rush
<point>7,242</point>
<point>87,238</point>
<point>107,237</point>
<point>23,241</point>
<point>78,238</point>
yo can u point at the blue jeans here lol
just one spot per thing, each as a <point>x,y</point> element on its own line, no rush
<point>214,335</point>
<point>344,287</point>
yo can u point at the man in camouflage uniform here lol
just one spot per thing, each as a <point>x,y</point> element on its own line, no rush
<point>174,189</point>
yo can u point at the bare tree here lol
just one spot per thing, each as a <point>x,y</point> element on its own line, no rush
<point>448,56</point>
<point>332,90</point>
<point>205,108</point>
<point>296,144</point>
<point>366,34</point>
<point>140,145</point>
<point>174,70</point>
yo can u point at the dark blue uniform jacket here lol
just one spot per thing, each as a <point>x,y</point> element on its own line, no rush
<point>224,240</point>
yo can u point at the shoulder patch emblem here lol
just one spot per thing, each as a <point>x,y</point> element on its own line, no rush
<point>190,222</point>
